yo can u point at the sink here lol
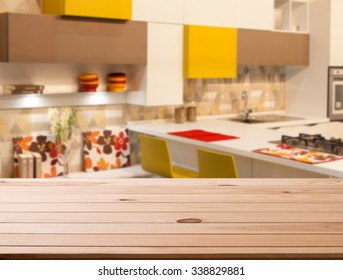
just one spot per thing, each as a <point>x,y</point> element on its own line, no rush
<point>250,120</point>
<point>265,118</point>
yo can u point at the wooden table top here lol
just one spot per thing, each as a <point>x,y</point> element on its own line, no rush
<point>171,219</point>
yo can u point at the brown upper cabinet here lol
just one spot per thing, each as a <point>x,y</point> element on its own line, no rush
<point>26,38</point>
<point>258,47</point>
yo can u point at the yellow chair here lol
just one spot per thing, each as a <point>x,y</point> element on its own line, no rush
<point>155,158</point>
<point>214,164</point>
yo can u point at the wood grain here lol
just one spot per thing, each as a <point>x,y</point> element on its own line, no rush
<point>170,207</point>
<point>163,217</point>
<point>171,219</point>
<point>28,38</point>
<point>172,198</point>
<point>260,47</point>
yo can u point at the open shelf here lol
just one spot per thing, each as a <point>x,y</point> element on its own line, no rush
<point>291,15</point>
<point>299,20</point>
<point>25,101</point>
<point>281,14</point>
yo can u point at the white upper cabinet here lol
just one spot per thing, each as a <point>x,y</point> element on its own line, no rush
<point>253,14</point>
<point>163,11</point>
<point>162,78</point>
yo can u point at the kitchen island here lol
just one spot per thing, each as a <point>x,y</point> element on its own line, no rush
<point>171,219</point>
<point>251,137</point>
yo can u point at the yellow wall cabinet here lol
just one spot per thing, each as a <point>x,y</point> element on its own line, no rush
<point>111,9</point>
<point>210,52</point>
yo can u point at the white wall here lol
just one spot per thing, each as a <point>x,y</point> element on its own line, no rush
<point>336,32</point>
<point>166,11</point>
<point>230,13</point>
<point>306,88</point>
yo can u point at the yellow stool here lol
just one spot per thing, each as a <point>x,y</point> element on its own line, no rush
<point>214,164</point>
<point>155,158</point>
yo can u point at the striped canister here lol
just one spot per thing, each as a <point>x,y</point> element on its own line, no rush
<point>116,82</point>
<point>88,82</point>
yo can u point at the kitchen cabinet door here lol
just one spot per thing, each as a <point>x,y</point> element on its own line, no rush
<point>264,169</point>
<point>230,13</point>
<point>210,52</point>
<point>162,80</point>
<point>27,38</point>
<point>111,9</point>
<point>258,47</point>
<point>158,11</point>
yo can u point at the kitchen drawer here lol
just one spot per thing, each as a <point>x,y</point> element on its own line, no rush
<point>111,9</point>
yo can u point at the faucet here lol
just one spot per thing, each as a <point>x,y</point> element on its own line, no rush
<point>246,111</point>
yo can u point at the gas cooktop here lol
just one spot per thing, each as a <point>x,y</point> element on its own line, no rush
<point>314,142</point>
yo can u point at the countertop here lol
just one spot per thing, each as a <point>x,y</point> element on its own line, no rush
<point>251,137</point>
<point>171,219</point>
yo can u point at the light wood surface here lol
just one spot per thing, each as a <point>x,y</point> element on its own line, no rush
<point>171,219</point>
<point>28,38</point>
<point>261,47</point>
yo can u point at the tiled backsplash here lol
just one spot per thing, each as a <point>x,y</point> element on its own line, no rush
<point>265,85</point>
<point>20,6</point>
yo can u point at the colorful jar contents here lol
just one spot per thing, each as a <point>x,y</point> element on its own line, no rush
<point>116,82</point>
<point>88,82</point>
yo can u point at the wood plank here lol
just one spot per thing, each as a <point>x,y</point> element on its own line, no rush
<point>170,207</point>
<point>176,228</point>
<point>142,217</point>
<point>169,250</point>
<point>300,182</point>
<point>169,189</point>
<point>168,240</point>
<point>170,198</point>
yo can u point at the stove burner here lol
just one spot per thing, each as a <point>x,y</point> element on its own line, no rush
<point>314,142</point>
<point>336,140</point>
<point>293,141</point>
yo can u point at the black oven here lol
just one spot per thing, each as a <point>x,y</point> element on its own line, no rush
<point>335,93</point>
